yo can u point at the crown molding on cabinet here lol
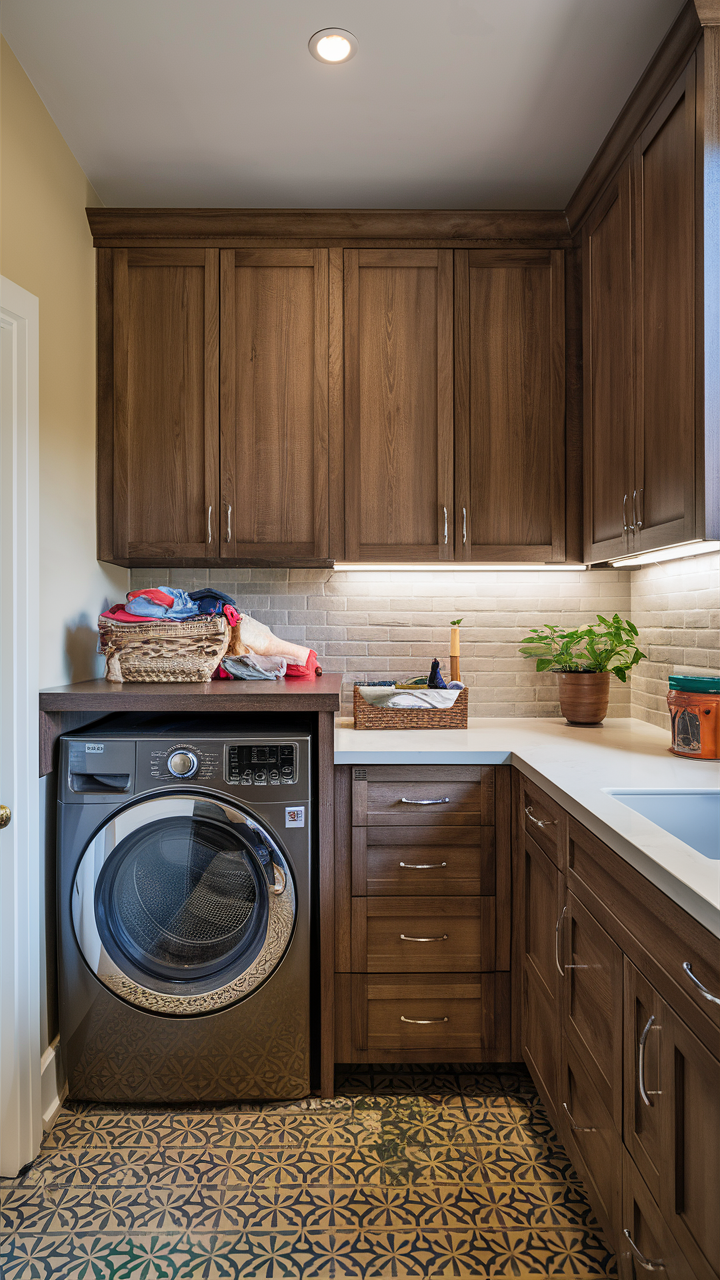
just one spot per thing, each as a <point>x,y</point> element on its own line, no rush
<point>660,74</point>
<point>228,228</point>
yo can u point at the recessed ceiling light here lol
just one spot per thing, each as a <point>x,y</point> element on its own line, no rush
<point>332,44</point>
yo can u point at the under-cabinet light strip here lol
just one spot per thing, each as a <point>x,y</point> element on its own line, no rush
<point>681,552</point>
<point>454,567</point>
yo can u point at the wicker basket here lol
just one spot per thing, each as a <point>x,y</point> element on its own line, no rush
<point>163,652</point>
<point>366,716</point>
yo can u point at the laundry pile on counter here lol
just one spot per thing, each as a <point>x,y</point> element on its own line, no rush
<point>252,653</point>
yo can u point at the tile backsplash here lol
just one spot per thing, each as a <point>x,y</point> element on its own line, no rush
<point>376,626</point>
<point>676,607</point>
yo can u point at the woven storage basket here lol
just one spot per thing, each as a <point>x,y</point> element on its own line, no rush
<point>366,716</point>
<point>163,652</point>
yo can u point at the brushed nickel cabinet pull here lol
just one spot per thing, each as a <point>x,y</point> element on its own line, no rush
<point>421,1022</point>
<point>464,526</point>
<point>444,800</point>
<point>210,524</point>
<point>579,1128</point>
<point>638,522</point>
<point>445,524</point>
<point>422,866</point>
<point>641,1061</point>
<point>703,990</point>
<point>626,526</point>
<point>551,822</point>
<point>228,535</point>
<point>405,938</point>
<point>558,922</point>
<point>650,1264</point>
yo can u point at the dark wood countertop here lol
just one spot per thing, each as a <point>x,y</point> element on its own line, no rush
<point>102,696</point>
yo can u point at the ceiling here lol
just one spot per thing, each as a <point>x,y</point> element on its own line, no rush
<point>453,104</point>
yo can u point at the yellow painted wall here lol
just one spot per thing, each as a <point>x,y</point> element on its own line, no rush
<point>46,247</point>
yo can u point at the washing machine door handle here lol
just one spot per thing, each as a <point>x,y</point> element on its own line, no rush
<point>269,857</point>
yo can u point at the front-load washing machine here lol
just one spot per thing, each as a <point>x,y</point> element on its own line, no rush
<point>184,891</point>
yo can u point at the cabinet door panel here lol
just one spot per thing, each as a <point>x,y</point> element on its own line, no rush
<point>643,1107</point>
<point>608,377</point>
<point>165,408</point>
<point>594,1142</point>
<point>593,1010</point>
<point>274,404</point>
<point>664,173</point>
<point>650,1236</point>
<point>398,404</point>
<point>538,907</point>
<point>509,405</point>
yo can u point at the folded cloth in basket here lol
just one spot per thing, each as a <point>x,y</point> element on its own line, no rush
<point>251,666</point>
<point>146,603</point>
<point>391,697</point>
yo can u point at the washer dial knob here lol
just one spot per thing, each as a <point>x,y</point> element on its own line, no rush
<point>183,764</point>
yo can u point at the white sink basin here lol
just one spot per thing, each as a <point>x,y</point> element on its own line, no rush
<point>692,816</point>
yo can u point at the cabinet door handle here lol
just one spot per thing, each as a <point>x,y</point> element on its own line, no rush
<point>638,522</point>
<point>558,922</point>
<point>464,526</point>
<point>579,1128</point>
<point>404,937</point>
<point>228,535</point>
<point>445,525</point>
<point>444,800</point>
<point>650,1264</point>
<point>209,525</point>
<point>641,1060</point>
<point>551,822</point>
<point>703,990</point>
<point>421,1022</point>
<point>422,866</point>
<point>626,526</point>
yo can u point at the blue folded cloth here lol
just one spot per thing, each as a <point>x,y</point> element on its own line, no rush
<point>210,601</point>
<point>182,607</point>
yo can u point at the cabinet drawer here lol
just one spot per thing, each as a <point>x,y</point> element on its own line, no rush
<point>592,1140</point>
<point>419,861</point>
<point>435,796</point>
<point>544,820</point>
<point>650,1235</point>
<point>394,1017</point>
<point>423,935</point>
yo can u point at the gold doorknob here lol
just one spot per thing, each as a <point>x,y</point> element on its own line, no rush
<point>5,816</point>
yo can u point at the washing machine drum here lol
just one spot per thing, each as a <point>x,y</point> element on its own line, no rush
<point>182,905</point>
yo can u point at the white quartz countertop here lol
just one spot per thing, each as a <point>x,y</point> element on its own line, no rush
<point>575,766</point>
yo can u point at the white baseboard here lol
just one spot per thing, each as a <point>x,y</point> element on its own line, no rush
<point>53,1085</point>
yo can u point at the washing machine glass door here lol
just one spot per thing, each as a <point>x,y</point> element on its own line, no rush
<point>182,905</point>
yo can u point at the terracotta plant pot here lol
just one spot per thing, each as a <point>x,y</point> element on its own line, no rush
<point>584,696</point>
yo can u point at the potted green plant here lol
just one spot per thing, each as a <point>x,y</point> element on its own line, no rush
<point>584,659</point>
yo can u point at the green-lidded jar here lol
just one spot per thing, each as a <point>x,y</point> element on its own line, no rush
<point>695,684</point>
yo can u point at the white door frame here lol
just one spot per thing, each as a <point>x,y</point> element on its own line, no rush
<point>20,622</point>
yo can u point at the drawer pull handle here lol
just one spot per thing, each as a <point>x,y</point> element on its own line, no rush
<point>406,938</point>
<point>641,1061</point>
<point>538,823</point>
<point>654,1264</point>
<point>707,994</point>
<point>421,1022</point>
<point>422,866</point>
<point>558,922</point>
<point>579,1128</point>
<point>444,800</point>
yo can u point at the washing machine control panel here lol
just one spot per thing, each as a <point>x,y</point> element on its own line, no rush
<point>184,761</point>
<point>270,764</point>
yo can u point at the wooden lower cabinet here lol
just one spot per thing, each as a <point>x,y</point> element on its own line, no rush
<point>538,911</point>
<point>409,1017</point>
<point>423,935</point>
<point>591,1137</point>
<point>593,1001</point>
<point>645,1242</point>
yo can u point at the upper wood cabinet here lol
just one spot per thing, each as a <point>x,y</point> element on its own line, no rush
<point>398,332</point>
<point>157,405</point>
<point>650,329</point>
<point>274,404</point>
<point>609,402</point>
<point>510,404</point>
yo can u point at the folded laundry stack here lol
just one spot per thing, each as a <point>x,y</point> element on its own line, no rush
<point>165,634</point>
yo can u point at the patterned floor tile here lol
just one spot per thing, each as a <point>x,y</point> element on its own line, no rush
<point>409,1172</point>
